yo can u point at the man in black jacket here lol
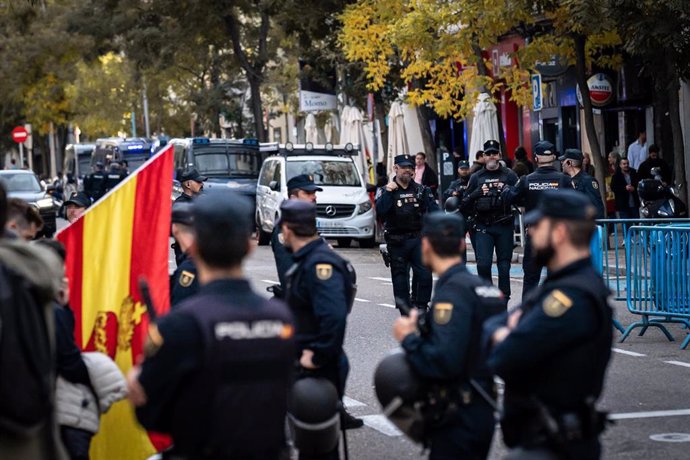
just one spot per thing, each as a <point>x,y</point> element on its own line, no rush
<point>624,185</point>
<point>424,174</point>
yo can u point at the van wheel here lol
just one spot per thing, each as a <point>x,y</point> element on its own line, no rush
<point>344,242</point>
<point>368,243</point>
<point>264,237</point>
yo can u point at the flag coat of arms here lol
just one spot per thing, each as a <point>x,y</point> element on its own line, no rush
<point>122,237</point>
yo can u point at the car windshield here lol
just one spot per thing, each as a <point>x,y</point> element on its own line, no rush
<point>228,164</point>
<point>20,182</point>
<point>326,172</point>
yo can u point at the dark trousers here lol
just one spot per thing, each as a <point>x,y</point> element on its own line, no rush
<point>588,449</point>
<point>76,441</point>
<point>406,254</point>
<point>530,267</point>
<point>500,239</point>
<point>467,436</point>
<point>629,213</point>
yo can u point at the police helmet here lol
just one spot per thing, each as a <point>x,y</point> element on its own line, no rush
<point>452,205</point>
<point>314,415</point>
<point>398,391</point>
<point>650,189</point>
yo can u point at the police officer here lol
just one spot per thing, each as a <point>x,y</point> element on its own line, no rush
<point>492,215</point>
<point>184,282</point>
<point>571,164</point>
<point>526,193</point>
<point>553,350</point>
<point>443,349</point>
<point>218,369</point>
<point>320,290</point>
<point>401,204</point>
<point>458,186</point>
<point>115,176</point>
<point>94,183</point>
<point>192,184</point>
<point>300,187</point>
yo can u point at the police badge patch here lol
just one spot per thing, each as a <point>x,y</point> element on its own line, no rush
<point>556,304</point>
<point>186,278</point>
<point>442,313</point>
<point>595,185</point>
<point>399,203</point>
<point>324,271</point>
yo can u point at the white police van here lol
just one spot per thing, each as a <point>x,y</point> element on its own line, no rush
<point>344,208</point>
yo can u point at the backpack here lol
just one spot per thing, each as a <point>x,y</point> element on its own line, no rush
<point>26,359</point>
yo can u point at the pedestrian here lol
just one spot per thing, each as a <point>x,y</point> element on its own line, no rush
<point>527,193</point>
<point>424,174</point>
<point>301,187</point>
<point>553,350</point>
<point>478,162</point>
<point>637,151</point>
<point>443,350</point>
<point>492,215</point>
<point>217,370</point>
<point>587,165</point>
<point>401,204</point>
<point>654,161</point>
<point>23,220</point>
<point>458,186</point>
<point>184,282</point>
<point>624,185</point>
<point>522,164</point>
<point>94,183</point>
<point>77,205</point>
<point>320,290</point>
<point>571,164</point>
<point>192,184</point>
<point>612,166</point>
<point>30,278</point>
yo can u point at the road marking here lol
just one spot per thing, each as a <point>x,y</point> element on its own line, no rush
<point>678,363</point>
<point>626,352</point>
<point>671,437</point>
<point>349,402</point>
<point>381,424</point>
<point>387,305</point>
<point>270,281</point>
<point>378,278</point>
<point>362,300</point>
<point>651,414</point>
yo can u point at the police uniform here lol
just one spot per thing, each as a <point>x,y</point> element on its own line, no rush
<point>584,183</point>
<point>184,282</point>
<point>114,176</point>
<point>553,362</point>
<point>218,369</point>
<point>189,174</point>
<point>493,219</point>
<point>402,211</point>
<point>281,254</point>
<point>459,185</point>
<point>445,355</point>
<point>526,193</point>
<point>94,183</point>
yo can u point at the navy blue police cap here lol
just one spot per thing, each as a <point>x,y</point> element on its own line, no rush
<point>464,164</point>
<point>182,214</point>
<point>298,213</point>
<point>544,148</point>
<point>192,174</point>
<point>571,154</point>
<point>223,211</point>
<point>79,199</point>
<point>561,204</point>
<point>491,146</point>
<point>303,182</point>
<point>404,160</point>
<point>444,225</point>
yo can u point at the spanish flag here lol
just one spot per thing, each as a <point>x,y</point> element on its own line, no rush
<point>122,237</point>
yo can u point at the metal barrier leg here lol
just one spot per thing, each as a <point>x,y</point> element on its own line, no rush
<point>644,324</point>
<point>618,326</point>
<point>685,343</point>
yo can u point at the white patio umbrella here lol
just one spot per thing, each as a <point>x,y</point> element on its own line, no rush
<point>353,133</point>
<point>345,124</point>
<point>397,137</point>
<point>484,124</point>
<point>330,131</point>
<point>311,130</point>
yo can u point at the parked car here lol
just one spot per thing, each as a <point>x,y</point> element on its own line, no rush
<point>344,208</point>
<point>25,185</point>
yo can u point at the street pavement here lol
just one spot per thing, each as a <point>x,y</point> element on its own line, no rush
<point>647,388</point>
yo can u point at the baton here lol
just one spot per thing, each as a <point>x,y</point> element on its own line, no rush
<point>146,296</point>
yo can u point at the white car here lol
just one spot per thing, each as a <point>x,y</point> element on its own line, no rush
<point>344,208</point>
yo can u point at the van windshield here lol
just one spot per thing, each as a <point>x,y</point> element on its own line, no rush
<point>326,172</point>
<point>228,164</point>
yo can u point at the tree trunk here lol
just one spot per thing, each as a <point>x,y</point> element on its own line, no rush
<point>680,180</point>
<point>590,129</point>
<point>380,116</point>
<point>257,109</point>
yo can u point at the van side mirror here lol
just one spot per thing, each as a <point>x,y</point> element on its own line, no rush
<point>273,185</point>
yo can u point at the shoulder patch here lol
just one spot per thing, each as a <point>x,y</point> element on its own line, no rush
<point>442,313</point>
<point>186,278</point>
<point>281,238</point>
<point>154,341</point>
<point>595,185</point>
<point>324,271</point>
<point>556,304</point>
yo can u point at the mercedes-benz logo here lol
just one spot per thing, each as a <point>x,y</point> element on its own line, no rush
<point>330,210</point>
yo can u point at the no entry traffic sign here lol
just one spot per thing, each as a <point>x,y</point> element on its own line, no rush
<point>19,134</point>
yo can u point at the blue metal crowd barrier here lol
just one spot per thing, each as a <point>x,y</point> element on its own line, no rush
<point>658,277</point>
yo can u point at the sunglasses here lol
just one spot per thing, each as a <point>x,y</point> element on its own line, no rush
<point>491,154</point>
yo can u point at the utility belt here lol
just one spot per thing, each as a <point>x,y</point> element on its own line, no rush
<point>544,428</point>
<point>400,238</point>
<point>440,402</point>
<point>488,220</point>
